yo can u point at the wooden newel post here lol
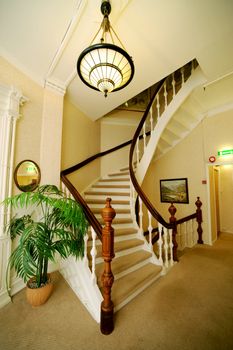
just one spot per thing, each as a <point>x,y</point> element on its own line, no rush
<point>172,211</point>
<point>199,220</point>
<point>106,319</point>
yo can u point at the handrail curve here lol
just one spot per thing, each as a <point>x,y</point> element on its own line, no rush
<point>160,86</point>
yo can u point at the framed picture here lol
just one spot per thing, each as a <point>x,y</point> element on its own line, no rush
<point>174,190</point>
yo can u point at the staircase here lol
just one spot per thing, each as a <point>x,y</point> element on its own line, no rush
<point>137,264</point>
<point>134,267</point>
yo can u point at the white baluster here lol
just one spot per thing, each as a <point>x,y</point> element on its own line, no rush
<point>151,120</point>
<point>182,76</point>
<point>144,137</point>
<point>132,200</point>
<point>160,244</point>
<point>182,242</point>
<point>178,237</point>
<point>165,239</point>
<point>137,151</point>
<point>193,232</point>
<point>93,255</point>
<point>165,93</point>
<point>150,228</point>
<point>158,105</point>
<point>173,85</point>
<point>140,215</point>
<point>171,247</point>
<point>185,235</point>
<point>85,259</point>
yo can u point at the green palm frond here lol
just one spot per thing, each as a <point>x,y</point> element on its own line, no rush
<point>60,229</point>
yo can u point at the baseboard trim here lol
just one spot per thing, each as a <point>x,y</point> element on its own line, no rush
<point>4,299</point>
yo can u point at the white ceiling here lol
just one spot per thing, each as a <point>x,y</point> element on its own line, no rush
<point>44,38</point>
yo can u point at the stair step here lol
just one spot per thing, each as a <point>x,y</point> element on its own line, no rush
<point>123,264</point>
<point>118,211</point>
<point>119,174</point>
<point>125,231</point>
<point>119,246</point>
<point>110,186</point>
<point>129,286</point>
<point>113,180</point>
<point>106,193</point>
<point>119,232</point>
<point>117,221</point>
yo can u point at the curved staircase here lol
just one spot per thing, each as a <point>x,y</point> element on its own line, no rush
<point>137,263</point>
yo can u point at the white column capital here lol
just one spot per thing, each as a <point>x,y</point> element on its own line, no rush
<point>11,100</point>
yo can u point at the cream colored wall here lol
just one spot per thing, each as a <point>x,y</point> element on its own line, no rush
<point>217,134</point>
<point>117,127</point>
<point>226,198</point>
<point>111,136</point>
<point>80,140</point>
<point>28,128</point>
<point>189,159</point>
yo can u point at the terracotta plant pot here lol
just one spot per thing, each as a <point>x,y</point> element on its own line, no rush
<point>38,296</point>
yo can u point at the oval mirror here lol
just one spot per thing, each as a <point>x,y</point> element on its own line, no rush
<point>27,175</point>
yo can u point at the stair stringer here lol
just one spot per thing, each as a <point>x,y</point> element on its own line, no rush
<point>77,274</point>
<point>196,79</point>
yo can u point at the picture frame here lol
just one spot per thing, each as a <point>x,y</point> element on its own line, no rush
<point>174,190</point>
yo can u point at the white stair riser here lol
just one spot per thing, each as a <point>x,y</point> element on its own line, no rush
<point>106,190</point>
<point>104,196</point>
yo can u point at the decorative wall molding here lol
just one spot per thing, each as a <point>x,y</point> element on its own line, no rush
<point>55,86</point>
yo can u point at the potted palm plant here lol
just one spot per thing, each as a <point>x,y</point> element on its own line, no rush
<point>55,226</point>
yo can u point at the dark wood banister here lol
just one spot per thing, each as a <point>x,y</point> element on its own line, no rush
<point>137,187</point>
<point>89,215</point>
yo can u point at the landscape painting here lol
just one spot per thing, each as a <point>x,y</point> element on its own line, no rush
<point>174,190</point>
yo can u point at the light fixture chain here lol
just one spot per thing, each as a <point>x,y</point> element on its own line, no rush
<point>111,28</point>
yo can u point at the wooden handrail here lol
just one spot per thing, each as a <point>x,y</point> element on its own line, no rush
<point>138,189</point>
<point>89,215</point>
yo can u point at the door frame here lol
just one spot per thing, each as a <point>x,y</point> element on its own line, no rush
<point>228,161</point>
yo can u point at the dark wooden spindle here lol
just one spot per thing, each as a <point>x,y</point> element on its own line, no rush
<point>107,307</point>
<point>172,211</point>
<point>199,220</point>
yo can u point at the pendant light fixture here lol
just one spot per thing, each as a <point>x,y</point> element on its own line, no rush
<point>105,66</point>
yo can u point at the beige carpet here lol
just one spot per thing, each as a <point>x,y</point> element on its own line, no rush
<point>190,308</point>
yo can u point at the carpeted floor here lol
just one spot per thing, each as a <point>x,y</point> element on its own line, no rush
<point>189,309</point>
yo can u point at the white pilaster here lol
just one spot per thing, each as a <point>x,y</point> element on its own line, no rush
<point>10,100</point>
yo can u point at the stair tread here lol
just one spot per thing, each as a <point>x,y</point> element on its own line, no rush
<point>123,263</point>
<point>119,246</point>
<point>119,173</point>
<point>120,232</point>
<point>120,179</point>
<point>118,221</point>
<point>124,287</point>
<point>107,193</point>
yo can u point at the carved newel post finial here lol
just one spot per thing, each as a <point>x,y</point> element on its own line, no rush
<point>107,307</point>
<point>172,210</point>
<point>199,220</point>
